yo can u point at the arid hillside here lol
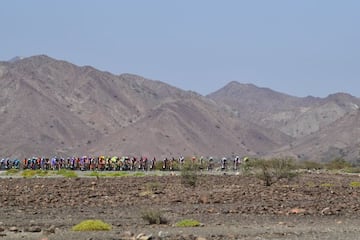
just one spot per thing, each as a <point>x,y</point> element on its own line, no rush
<point>51,107</point>
<point>321,128</point>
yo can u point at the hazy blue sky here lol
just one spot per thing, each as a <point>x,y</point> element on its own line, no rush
<point>305,47</point>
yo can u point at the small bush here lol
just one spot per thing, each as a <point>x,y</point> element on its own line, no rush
<point>12,171</point>
<point>28,173</point>
<point>310,184</point>
<point>42,173</point>
<point>309,165</point>
<point>352,170</point>
<point>337,164</point>
<point>139,174</point>
<point>265,173</point>
<point>153,217</point>
<point>66,173</point>
<point>355,184</point>
<point>158,165</point>
<point>107,174</point>
<point>92,225</point>
<point>188,223</point>
<point>93,174</point>
<point>273,170</point>
<point>189,175</point>
<point>115,174</point>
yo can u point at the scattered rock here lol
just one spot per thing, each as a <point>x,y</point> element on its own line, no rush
<point>33,229</point>
<point>201,238</point>
<point>143,236</point>
<point>326,211</point>
<point>14,229</point>
<point>162,234</point>
<point>127,235</point>
<point>296,211</point>
<point>50,230</point>
<point>2,229</point>
<point>204,199</point>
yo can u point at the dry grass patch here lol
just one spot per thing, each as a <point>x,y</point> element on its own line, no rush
<point>92,225</point>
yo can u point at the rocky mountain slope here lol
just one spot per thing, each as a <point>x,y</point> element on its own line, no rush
<point>322,128</point>
<point>50,107</point>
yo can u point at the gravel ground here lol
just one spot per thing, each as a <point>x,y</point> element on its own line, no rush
<point>311,206</point>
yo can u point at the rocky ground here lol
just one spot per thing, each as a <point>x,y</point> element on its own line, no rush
<point>310,206</point>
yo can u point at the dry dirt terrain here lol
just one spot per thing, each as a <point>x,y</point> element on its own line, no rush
<point>311,206</point>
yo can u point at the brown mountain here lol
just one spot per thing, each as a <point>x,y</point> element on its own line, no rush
<point>322,128</point>
<point>339,139</point>
<point>53,107</point>
<point>50,107</point>
<point>187,127</point>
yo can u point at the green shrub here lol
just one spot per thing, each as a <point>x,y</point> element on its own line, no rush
<point>188,223</point>
<point>352,170</point>
<point>92,225</point>
<point>283,168</point>
<point>189,174</point>
<point>337,164</point>
<point>158,165</point>
<point>108,174</point>
<point>12,171</point>
<point>93,174</point>
<point>265,172</point>
<point>28,173</point>
<point>153,217</point>
<point>42,173</point>
<point>115,174</point>
<point>139,174</point>
<point>354,184</point>
<point>270,171</point>
<point>311,165</point>
<point>66,173</point>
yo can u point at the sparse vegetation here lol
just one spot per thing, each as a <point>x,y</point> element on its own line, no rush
<point>93,174</point>
<point>310,184</point>
<point>92,225</point>
<point>355,184</point>
<point>337,164</point>
<point>189,175</point>
<point>66,173</point>
<point>12,171</point>
<point>270,171</point>
<point>107,174</point>
<point>311,165</point>
<point>28,173</point>
<point>139,174</point>
<point>153,217</point>
<point>188,223</point>
<point>352,170</point>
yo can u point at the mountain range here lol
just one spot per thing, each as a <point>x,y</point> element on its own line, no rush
<point>51,107</point>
